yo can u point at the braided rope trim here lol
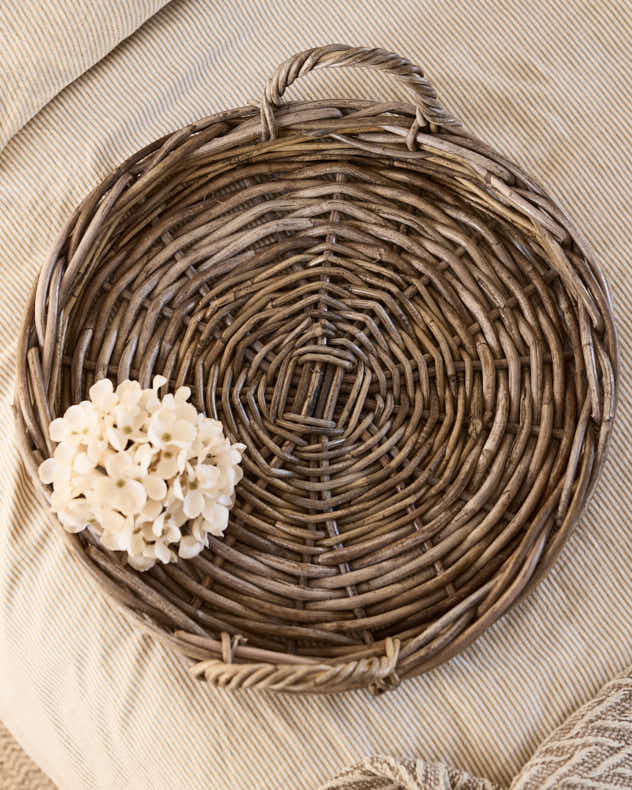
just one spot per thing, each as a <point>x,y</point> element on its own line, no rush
<point>378,673</point>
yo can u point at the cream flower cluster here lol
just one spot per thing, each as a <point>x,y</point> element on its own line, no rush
<point>148,476</point>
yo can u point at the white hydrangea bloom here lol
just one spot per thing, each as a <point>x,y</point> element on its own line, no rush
<point>149,476</point>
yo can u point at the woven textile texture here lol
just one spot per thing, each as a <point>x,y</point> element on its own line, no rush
<point>17,770</point>
<point>592,749</point>
<point>387,773</point>
<point>100,706</point>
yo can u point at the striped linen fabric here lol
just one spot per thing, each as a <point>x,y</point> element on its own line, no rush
<point>46,45</point>
<point>548,82</point>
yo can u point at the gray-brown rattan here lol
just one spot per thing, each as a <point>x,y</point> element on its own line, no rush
<point>411,338</point>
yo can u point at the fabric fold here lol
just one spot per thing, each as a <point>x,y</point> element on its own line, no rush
<point>45,46</point>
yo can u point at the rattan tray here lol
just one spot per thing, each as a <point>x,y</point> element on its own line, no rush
<point>411,338</point>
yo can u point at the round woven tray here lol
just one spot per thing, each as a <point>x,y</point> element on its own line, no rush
<point>411,338</point>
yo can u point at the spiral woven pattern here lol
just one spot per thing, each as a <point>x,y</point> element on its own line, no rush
<point>410,337</point>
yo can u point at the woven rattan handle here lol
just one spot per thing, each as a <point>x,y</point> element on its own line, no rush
<point>429,109</point>
<point>377,672</point>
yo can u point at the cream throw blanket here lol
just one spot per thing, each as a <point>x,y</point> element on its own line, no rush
<point>592,749</point>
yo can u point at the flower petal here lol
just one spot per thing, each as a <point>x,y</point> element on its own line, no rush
<point>105,491</point>
<point>65,453</point>
<point>229,476</point>
<point>183,433</point>
<point>235,453</point>
<point>178,516</point>
<point>46,471</point>
<point>155,487</point>
<point>208,476</point>
<point>171,534</point>
<point>163,553</point>
<point>141,563</point>
<point>198,530</point>
<point>82,419</point>
<point>150,401</point>
<point>119,465</point>
<point>152,510</point>
<point>193,504</point>
<point>161,425</point>
<point>116,438</point>
<point>110,520</point>
<point>114,541</point>
<point>58,429</point>
<point>96,450</point>
<point>82,464</point>
<point>75,417</point>
<point>76,515</point>
<point>128,417</point>
<point>183,394</point>
<point>59,499</point>
<point>167,465</point>
<point>186,411</point>
<point>159,525</point>
<point>189,547</point>
<point>136,544</point>
<point>176,488</point>
<point>129,392</point>
<point>137,495</point>
<point>101,394</point>
<point>216,517</point>
<point>144,455</point>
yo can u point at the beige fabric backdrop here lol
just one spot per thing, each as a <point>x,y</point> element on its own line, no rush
<point>44,46</point>
<point>99,706</point>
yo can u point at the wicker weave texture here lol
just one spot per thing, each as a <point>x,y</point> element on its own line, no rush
<point>411,338</point>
